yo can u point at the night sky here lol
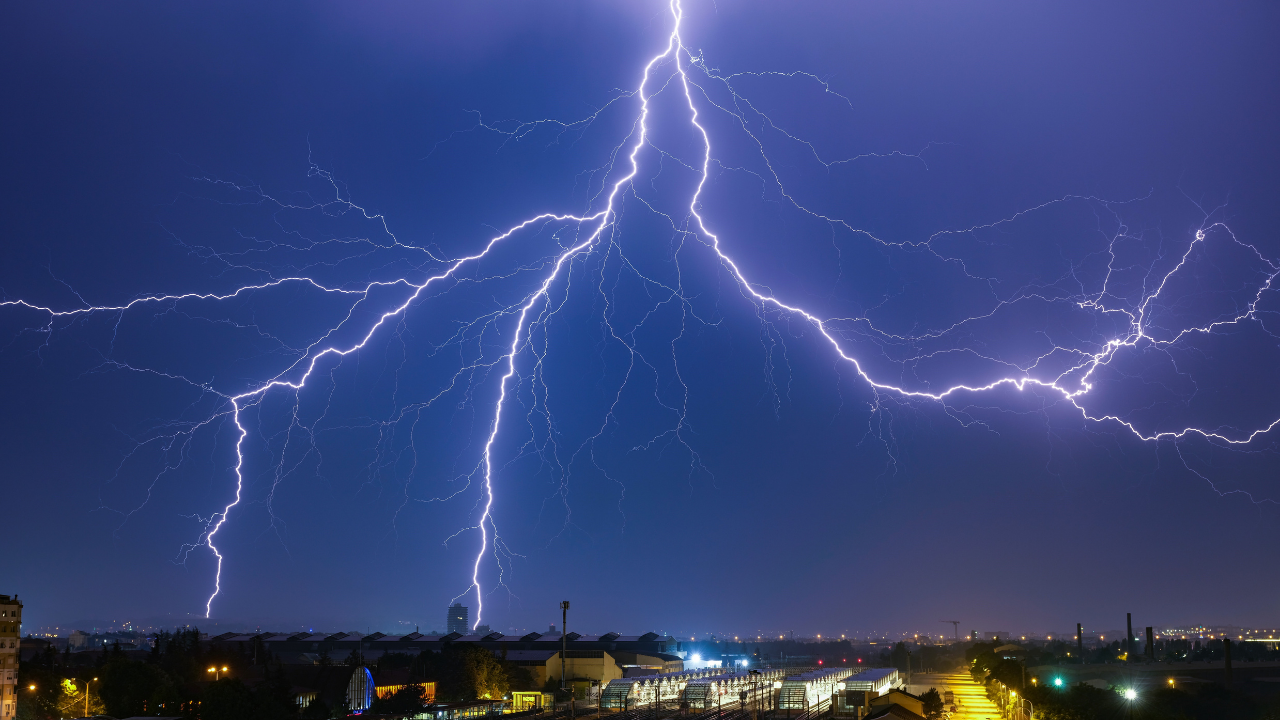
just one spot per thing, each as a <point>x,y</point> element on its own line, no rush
<point>964,192</point>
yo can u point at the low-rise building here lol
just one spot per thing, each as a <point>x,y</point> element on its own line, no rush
<point>892,712</point>
<point>651,652</point>
<point>898,696</point>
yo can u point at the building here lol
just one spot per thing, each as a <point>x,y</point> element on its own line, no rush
<point>1010,652</point>
<point>585,667</point>
<point>10,634</point>
<point>892,712</point>
<point>590,666</point>
<point>897,696</point>
<point>78,640</point>
<point>862,688</point>
<point>651,652</point>
<point>457,620</point>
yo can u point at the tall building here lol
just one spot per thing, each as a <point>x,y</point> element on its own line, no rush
<point>10,632</point>
<point>456,621</point>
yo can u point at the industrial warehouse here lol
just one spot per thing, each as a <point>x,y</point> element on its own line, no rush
<point>609,673</point>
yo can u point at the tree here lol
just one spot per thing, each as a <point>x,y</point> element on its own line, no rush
<point>465,672</point>
<point>519,679</point>
<point>932,704</point>
<point>409,699</point>
<point>490,677</point>
<point>132,688</point>
<point>227,699</point>
<point>274,698</point>
<point>900,657</point>
<point>315,710</point>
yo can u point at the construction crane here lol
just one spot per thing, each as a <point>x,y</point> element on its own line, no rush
<point>956,629</point>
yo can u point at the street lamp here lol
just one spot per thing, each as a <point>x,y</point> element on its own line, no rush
<point>87,685</point>
<point>217,673</point>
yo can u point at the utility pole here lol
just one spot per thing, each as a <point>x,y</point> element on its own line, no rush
<point>564,618</point>
<point>564,639</point>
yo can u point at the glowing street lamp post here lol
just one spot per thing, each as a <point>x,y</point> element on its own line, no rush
<point>1016,706</point>
<point>87,685</point>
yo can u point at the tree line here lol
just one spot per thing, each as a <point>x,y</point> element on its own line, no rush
<point>174,679</point>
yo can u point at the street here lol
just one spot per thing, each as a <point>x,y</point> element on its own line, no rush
<point>970,698</point>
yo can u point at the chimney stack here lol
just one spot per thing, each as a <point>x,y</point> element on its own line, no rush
<point>1128,648</point>
<point>1080,642</point>
<point>1151,644</point>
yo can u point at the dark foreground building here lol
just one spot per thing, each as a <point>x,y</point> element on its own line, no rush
<point>637,651</point>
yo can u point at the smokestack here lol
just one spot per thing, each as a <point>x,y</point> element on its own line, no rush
<point>1128,649</point>
<point>1080,642</point>
<point>1226,656</point>
<point>1151,644</point>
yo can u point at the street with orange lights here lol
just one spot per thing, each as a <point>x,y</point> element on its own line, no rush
<point>970,698</point>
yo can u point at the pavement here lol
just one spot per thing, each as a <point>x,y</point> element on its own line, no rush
<point>970,697</point>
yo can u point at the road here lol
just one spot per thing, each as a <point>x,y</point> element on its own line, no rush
<point>970,697</point>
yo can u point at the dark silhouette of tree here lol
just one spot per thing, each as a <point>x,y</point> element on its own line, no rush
<point>465,672</point>
<point>130,688</point>
<point>273,698</point>
<point>227,699</point>
<point>315,710</point>
<point>932,704</point>
<point>407,700</point>
<point>900,657</point>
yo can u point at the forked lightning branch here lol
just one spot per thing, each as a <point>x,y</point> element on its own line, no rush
<point>675,69</point>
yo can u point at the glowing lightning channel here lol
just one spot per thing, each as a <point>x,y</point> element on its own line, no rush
<point>675,48</point>
<point>296,375</point>
<point>1092,363</point>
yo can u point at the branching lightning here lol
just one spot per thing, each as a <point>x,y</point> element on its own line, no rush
<point>675,69</point>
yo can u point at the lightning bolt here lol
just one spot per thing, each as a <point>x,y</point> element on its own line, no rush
<point>591,231</point>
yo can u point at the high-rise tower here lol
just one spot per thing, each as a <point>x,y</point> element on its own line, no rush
<point>10,636</point>
<point>457,619</point>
